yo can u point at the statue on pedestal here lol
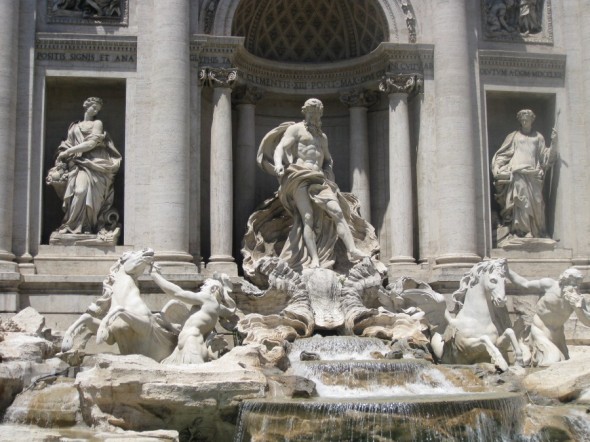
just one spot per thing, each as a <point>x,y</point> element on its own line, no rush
<point>310,249</point>
<point>519,168</point>
<point>83,177</point>
<point>321,217</point>
<point>560,299</point>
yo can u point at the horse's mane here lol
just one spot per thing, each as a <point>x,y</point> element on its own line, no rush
<point>101,306</point>
<point>471,279</point>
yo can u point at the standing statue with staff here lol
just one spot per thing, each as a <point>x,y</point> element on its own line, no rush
<point>519,169</point>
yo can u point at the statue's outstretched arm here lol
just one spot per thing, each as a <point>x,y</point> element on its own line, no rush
<point>174,290</point>
<point>539,284</point>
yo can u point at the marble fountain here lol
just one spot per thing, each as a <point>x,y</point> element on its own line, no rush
<point>314,343</point>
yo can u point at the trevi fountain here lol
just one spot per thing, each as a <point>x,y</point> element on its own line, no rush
<point>295,220</point>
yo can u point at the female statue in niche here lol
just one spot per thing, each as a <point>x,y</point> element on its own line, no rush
<point>519,168</point>
<point>83,176</point>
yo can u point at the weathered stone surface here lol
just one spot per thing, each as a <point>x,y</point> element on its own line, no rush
<point>16,375</point>
<point>47,404</point>
<point>566,380</point>
<point>12,432</point>
<point>18,346</point>
<point>29,321</point>
<point>290,386</point>
<point>136,393</point>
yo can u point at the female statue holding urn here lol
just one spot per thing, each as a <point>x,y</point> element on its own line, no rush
<point>84,173</point>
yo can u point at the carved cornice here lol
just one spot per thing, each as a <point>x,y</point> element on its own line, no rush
<point>58,49</point>
<point>359,98</point>
<point>218,77</point>
<point>247,95</point>
<point>399,83</point>
<point>359,73</point>
<point>509,66</point>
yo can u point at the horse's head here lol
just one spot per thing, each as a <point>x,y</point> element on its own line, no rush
<point>134,263</point>
<point>493,279</point>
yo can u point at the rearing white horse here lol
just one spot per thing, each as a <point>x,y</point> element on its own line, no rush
<point>481,324</point>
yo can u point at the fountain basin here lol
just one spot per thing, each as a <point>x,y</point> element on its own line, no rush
<point>466,417</point>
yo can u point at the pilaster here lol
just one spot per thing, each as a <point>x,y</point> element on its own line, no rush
<point>454,81</point>
<point>9,19</point>
<point>170,134</point>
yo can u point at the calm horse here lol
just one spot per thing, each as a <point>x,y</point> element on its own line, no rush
<point>482,323</point>
<point>121,316</point>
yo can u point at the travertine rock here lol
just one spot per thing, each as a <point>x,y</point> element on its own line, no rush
<point>47,404</point>
<point>565,380</point>
<point>16,375</point>
<point>29,321</point>
<point>134,392</point>
<point>22,347</point>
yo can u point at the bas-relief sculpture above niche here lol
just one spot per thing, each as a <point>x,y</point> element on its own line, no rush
<point>524,171</point>
<point>88,12</point>
<point>83,195</point>
<point>528,21</point>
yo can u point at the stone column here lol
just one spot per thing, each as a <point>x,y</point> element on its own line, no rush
<point>221,181</point>
<point>245,165</point>
<point>170,131</point>
<point>397,87</point>
<point>455,107</point>
<point>8,84</point>
<point>358,102</point>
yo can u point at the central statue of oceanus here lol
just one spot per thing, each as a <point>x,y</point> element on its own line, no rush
<point>309,223</point>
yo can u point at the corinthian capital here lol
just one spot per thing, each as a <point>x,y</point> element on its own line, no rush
<point>359,98</point>
<point>218,77</point>
<point>399,83</point>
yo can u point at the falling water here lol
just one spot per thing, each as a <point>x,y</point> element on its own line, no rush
<point>376,378</point>
<point>367,399</point>
<point>471,417</point>
<point>341,348</point>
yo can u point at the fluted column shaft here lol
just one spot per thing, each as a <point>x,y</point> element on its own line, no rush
<point>400,167</point>
<point>358,102</point>
<point>455,141</point>
<point>8,81</point>
<point>170,129</point>
<point>221,167</point>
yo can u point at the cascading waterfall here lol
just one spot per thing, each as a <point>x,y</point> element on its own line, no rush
<point>365,399</point>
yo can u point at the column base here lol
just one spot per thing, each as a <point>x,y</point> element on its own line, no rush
<point>221,264</point>
<point>401,260</point>
<point>457,260</point>
<point>403,266</point>
<point>173,262</point>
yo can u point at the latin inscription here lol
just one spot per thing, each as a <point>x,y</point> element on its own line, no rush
<point>85,57</point>
<point>505,72</point>
<point>309,84</point>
